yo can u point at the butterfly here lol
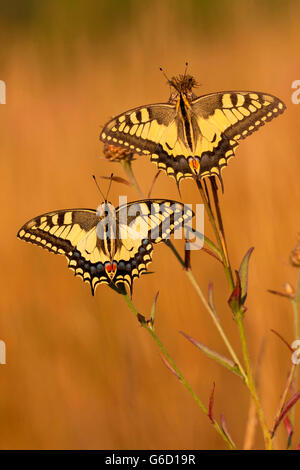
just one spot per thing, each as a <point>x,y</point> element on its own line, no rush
<point>192,136</point>
<point>109,245</point>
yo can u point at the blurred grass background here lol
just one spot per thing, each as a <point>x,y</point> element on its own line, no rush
<point>80,371</point>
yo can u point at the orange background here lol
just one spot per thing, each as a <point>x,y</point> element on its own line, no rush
<point>81,372</point>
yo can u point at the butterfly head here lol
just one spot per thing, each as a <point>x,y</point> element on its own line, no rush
<point>183,85</point>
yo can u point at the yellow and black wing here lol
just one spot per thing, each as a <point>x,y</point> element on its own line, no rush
<point>141,224</point>
<point>72,233</point>
<point>221,120</point>
<point>141,129</point>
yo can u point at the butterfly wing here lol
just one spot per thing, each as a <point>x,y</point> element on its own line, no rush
<point>154,130</point>
<point>141,224</point>
<point>221,120</point>
<point>72,233</point>
<point>140,129</point>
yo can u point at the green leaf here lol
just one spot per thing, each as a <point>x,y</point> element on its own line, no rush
<point>287,407</point>
<point>224,361</point>
<point>235,299</point>
<point>211,301</point>
<point>171,368</point>
<point>153,309</point>
<point>225,430</point>
<point>243,274</point>
<point>213,247</point>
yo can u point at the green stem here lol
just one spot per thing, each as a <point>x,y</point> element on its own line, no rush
<point>215,319</point>
<point>295,303</point>
<point>220,239</point>
<point>128,170</point>
<point>188,387</point>
<point>251,383</point>
<point>238,314</point>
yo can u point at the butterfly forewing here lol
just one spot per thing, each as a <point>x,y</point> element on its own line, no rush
<point>72,233</point>
<point>140,129</point>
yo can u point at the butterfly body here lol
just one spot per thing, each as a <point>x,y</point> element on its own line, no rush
<point>107,245</point>
<point>192,136</point>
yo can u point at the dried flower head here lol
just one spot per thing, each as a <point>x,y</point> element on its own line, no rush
<point>289,289</point>
<point>117,154</point>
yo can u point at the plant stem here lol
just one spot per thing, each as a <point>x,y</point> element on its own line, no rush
<point>284,397</point>
<point>239,314</point>
<point>220,237</point>
<point>128,170</point>
<point>251,384</point>
<point>180,376</point>
<point>295,303</point>
<point>215,319</point>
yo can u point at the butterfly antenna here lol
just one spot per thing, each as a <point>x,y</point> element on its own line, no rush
<point>111,179</point>
<point>164,74</point>
<point>96,182</point>
<point>186,68</point>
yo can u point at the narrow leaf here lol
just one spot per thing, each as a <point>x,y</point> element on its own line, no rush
<point>153,308</point>
<point>281,294</point>
<point>213,247</point>
<point>282,339</point>
<point>225,429</point>
<point>211,404</point>
<point>211,301</point>
<point>243,274</point>
<point>289,404</point>
<point>211,253</point>
<point>289,431</point>
<point>224,361</point>
<point>170,367</point>
<point>117,179</point>
<point>235,300</point>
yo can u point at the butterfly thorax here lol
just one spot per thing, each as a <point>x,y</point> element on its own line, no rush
<point>183,85</point>
<point>182,98</point>
<point>107,234</point>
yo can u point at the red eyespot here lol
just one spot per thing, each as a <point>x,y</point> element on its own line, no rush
<point>108,267</point>
<point>114,267</point>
